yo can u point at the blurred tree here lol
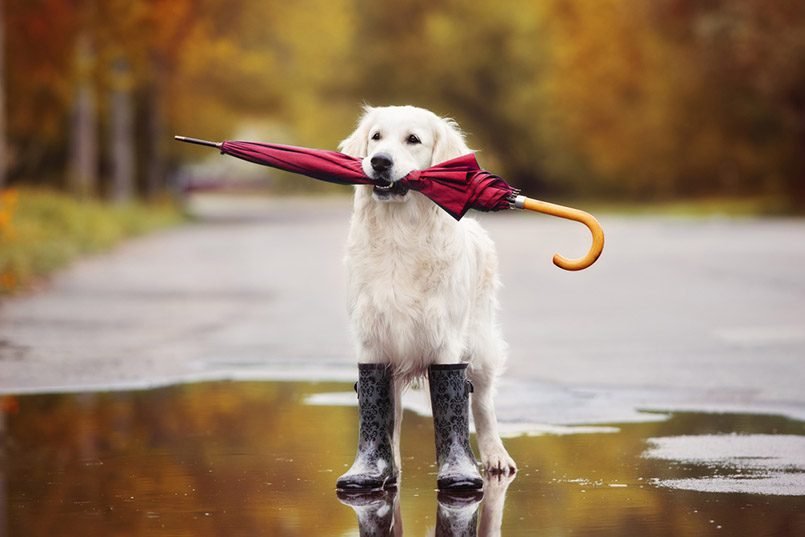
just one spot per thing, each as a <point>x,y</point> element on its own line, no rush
<point>491,78</point>
<point>40,44</point>
<point>119,40</point>
<point>752,59</point>
<point>479,61</point>
<point>168,23</point>
<point>121,132</point>
<point>314,40</point>
<point>677,98</point>
<point>618,98</point>
<point>613,92</point>
<point>83,173</point>
<point>3,158</point>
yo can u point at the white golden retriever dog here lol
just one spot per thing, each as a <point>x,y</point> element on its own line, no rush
<point>422,287</point>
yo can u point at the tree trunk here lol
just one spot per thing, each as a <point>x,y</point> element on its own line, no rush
<point>121,133</point>
<point>83,174</point>
<point>795,180</point>
<point>155,128</point>
<point>3,155</point>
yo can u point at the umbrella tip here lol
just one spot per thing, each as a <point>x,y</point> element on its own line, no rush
<point>196,141</point>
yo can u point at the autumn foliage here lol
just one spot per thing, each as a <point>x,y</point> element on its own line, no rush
<point>623,99</point>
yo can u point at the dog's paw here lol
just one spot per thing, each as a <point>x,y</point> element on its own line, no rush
<point>498,461</point>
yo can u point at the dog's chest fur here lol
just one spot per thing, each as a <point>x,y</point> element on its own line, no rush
<point>409,282</point>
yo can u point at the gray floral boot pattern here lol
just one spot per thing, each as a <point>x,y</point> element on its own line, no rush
<point>449,397</point>
<point>374,463</point>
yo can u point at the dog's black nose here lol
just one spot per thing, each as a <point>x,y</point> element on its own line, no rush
<point>381,162</point>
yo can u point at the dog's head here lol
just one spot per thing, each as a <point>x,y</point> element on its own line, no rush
<point>394,140</point>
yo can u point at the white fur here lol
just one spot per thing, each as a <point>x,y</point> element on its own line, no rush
<point>422,287</point>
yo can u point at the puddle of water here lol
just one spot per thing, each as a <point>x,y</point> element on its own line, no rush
<point>746,463</point>
<point>249,458</point>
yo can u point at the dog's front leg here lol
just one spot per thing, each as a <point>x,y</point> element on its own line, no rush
<point>399,387</point>
<point>494,456</point>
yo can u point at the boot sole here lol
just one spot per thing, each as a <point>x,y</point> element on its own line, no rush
<point>460,486</point>
<point>390,483</point>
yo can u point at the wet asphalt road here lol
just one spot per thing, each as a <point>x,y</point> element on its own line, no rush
<point>702,314</point>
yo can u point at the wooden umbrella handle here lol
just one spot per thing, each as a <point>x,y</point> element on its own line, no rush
<point>522,202</point>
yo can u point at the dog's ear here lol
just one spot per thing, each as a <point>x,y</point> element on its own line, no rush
<point>449,142</point>
<point>356,144</point>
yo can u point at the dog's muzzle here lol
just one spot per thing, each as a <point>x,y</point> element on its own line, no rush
<point>382,164</point>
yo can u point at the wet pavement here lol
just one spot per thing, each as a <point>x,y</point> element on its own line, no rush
<point>685,313</point>
<point>255,458</point>
<point>165,388</point>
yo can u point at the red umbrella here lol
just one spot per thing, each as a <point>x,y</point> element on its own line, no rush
<point>456,185</point>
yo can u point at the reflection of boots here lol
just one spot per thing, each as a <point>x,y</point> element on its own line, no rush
<point>374,463</point>
<point>457,514</point>
<point>449,397</point>
<point>375,511</point>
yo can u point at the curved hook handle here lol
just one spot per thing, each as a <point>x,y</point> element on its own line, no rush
<point>522,202</point>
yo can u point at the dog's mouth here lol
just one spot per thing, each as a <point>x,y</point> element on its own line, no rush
<point>384,189</point>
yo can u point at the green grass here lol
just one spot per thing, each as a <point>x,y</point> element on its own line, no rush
<point>42,231</point>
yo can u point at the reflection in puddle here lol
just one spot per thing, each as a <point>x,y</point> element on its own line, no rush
<point>457,513</point>
<point>378,512</point>
<point>253,459</point>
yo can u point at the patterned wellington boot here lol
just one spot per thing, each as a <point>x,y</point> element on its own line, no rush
<point>374,466</point>
<point>449,398</point>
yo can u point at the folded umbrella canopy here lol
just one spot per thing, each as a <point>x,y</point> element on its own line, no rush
<point>456,185</point>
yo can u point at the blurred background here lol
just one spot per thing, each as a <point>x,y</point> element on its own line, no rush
<point>616,106</point>
<point>620,101</point>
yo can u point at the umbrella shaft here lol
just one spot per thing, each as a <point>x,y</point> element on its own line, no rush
<point>197,141</point>
<point>518,202</point>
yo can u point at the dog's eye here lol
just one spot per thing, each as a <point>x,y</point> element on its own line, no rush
<point>376,136</point>
<point>414,139</point>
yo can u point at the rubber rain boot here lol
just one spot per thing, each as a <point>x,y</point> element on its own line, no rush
<point>449,398</point>
<point>374,466</point>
